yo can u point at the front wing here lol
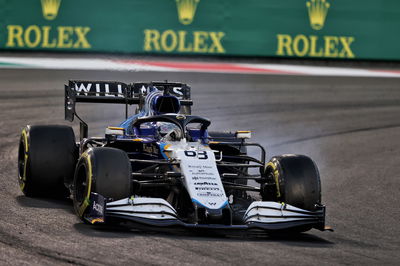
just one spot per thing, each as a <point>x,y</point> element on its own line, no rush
<point>265,215</point>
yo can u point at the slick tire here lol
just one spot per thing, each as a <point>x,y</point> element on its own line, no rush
<point>297,181</point>
<point>106,171</point>
<point>47,157</point>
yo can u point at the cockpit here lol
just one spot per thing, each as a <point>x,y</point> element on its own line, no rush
<point>172,127</point>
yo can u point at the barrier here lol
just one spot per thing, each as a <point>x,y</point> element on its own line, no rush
<point>341,29</point>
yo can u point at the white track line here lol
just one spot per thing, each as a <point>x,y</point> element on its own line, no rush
<point>142,65</point>
<point>329,71</point>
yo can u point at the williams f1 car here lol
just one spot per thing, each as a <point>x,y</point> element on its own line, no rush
<point>163,167</point>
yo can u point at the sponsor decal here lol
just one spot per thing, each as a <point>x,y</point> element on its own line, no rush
<point>176,91</point>
<point>207,188</point>
<point>184,41</point>
<point>328,46</point>
<point>210,194</point>
<point>100,89</point>
<point>150,148</point>
<point>317,12</point>
<point>205,184</point>
<point>186,10</point>
<point>50,8</point>
<point>209,177</point>
<point>48,36</point>
<point>98,208</point>
<point>200,165</point>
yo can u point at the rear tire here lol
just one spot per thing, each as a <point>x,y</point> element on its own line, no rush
<point>46,158</point>
<point>106,171</point>
<point>297,181</point>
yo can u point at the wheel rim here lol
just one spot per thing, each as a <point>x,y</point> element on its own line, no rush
<point>21,161</point>
<point>81,184</point>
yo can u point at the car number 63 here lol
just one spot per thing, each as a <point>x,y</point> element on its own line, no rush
<point>201,155</point>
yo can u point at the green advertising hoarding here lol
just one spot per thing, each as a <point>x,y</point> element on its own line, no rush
<point>342,29</point>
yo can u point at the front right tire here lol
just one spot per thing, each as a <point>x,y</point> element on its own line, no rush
<point>297,181</point>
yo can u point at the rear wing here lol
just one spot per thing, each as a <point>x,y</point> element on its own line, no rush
<point>120,93</point>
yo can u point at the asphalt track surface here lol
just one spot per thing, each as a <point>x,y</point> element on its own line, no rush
<point>350,126</point>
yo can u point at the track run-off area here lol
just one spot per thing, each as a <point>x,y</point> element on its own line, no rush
<point>349,124</point>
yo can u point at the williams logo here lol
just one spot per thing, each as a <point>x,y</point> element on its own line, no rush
<point>186,10</point>
<point>315,45</point>
<point>317,12</point>
<point>50,8</point>
<point>48,36</point>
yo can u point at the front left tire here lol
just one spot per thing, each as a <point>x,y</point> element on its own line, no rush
<point>46,159</point>
<point>103,170</point>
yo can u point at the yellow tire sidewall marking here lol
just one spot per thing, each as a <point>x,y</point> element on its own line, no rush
<point>275,172</point>
<point>25,137</point>
<point>86,200</point>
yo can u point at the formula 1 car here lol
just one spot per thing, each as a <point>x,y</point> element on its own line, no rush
<point>163,167</point>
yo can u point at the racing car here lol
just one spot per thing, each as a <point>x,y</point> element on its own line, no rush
<point>163,167</point>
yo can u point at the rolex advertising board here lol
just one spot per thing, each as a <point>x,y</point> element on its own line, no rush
<point>338,29</point>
